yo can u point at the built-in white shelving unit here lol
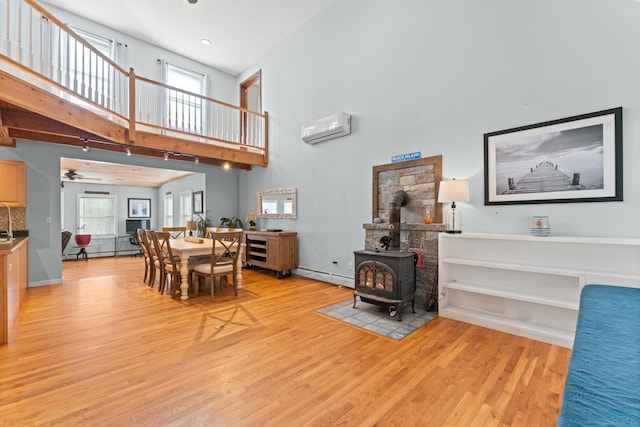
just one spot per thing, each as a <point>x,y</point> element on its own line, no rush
<point>526,285</point>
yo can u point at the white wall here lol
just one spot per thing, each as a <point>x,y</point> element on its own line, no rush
<point>190,183</point>
<point>434,76</point>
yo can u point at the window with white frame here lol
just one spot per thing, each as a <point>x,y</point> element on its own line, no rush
<point>88,73</point>
<point>185,208</point>
<point>97,214</point>
<point>168,210</point>
<point>185,111</point>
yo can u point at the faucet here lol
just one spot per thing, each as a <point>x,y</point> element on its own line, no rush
<point>9,231</point>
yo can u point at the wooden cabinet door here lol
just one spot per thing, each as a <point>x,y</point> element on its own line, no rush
<point>12,183</point>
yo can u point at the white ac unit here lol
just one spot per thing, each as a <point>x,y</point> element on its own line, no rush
<point>333,126</point>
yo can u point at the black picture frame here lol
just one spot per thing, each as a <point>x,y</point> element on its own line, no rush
<point>574,159</point>
<point>139,208</point>
<point>198,202</point>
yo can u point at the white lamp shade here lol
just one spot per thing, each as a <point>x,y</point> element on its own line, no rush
<point>456,190</point>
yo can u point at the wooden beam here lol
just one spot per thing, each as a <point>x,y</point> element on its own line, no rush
<point>28,121</point>
<point>5,139</point>
<point>28,97</point>
<point>183,146</point>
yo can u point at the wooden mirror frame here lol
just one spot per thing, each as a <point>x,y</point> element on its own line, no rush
<point>291,192</point>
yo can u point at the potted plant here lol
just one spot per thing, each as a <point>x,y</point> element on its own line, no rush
<point>202,222</point>
<point>232,222</point>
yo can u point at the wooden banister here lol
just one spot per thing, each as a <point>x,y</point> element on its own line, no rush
<point>150,115</point>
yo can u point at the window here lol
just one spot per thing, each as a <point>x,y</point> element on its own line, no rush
<point>96,214</point>
<point>168,210</point>
<point>185,111</point>
<point>185,208</point>
<point>88,72</point>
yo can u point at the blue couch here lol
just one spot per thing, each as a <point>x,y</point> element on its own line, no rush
<point>602,387</point>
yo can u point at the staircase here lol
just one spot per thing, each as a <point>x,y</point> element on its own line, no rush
<point>56,87</point>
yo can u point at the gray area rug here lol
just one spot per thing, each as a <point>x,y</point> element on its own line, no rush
<point>376,319</point>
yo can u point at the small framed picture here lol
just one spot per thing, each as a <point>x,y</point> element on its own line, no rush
<point>575,159</point>
<point>139,208</point>
<point>198,202</point>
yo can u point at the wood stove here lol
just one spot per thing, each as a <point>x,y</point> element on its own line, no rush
<point>386,278</point>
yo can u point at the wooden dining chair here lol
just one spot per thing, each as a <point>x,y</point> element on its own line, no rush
<point>156,256</point>
<point>171,267</point>
<point>162,251</point>
<point>224,259</point>
<point>208,231</point>
<point>149,269</point>
<point>238,273</point>
<point>176,232</point>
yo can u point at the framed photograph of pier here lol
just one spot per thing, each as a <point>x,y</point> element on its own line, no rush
<point>575,159</point>
<point>139,208</point>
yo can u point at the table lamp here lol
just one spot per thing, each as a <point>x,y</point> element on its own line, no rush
<point>191,225</point>
<point>453,191</point>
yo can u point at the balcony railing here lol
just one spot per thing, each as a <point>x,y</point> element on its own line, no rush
<point>38,48</point>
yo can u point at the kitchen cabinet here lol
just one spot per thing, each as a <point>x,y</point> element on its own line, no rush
<point>12,184</point>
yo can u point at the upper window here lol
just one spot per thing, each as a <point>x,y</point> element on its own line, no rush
<point>185,208</point>
<point>88,72</point>
<point>185,111</point>
<point>168,210</point>
<point>96,214</point>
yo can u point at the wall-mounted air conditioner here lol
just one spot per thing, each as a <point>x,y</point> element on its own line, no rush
<point>333,126</point>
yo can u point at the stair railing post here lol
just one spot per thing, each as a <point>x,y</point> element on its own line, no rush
<point>132,106</point>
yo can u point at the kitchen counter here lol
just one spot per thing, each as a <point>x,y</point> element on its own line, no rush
<point>13,283</point>
<point>10,247</point>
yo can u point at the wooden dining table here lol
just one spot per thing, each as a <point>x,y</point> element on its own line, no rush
<point>185,249</point>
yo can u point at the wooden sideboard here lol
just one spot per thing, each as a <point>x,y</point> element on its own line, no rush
<point>273,250</point>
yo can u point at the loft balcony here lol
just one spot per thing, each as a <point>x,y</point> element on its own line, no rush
<point>56,87</point>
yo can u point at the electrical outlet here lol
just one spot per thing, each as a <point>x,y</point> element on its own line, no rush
<point>350,265</point>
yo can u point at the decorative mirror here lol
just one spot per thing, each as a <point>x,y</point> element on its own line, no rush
<point>280,203</point>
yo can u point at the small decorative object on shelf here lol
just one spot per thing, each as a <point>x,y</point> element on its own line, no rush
<point>385,241</point>
<point>541,226</point>
<point>427,216</point>
<point>192,226</point>
<point>251,219</point>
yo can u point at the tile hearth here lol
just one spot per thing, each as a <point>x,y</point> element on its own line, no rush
<point>376,319</point>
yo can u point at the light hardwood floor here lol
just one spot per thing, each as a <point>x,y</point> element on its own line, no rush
<point>104,349</point>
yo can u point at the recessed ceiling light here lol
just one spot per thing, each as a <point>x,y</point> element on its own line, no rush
<point>205,42</point>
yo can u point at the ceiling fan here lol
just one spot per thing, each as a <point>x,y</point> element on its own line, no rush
<point>72,175</point>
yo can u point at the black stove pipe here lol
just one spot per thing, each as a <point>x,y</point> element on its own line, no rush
<point>398,199</point>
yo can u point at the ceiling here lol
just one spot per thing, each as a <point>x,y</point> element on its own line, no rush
<point>104,173</point>
<point>240,31</point>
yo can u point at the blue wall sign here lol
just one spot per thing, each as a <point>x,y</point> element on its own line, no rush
<point>405,157</point>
